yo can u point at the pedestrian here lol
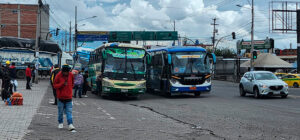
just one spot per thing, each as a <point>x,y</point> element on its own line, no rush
<point>52,78</point>
<point>28,76</point>
<point>13,76</point>
<point>85,85</point>
<point>78,81</point>
<point>33,74</point>
<point>7,87</point>
<point>63,83</point>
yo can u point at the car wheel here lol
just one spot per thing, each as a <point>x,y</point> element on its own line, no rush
<point>296,85</point>
<point>256,93</point>
<point>284,96</point>
<point>242,91</point>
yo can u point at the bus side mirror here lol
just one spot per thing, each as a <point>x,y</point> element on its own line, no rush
<point>149,59</point>
<point>169,59</point>
<point>104,54</point>
<point>211,55</point>
<point>214,58</point>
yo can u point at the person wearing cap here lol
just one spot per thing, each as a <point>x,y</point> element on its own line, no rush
<point>6,84</point>
<point>54,72</point>
<point>63,83</point>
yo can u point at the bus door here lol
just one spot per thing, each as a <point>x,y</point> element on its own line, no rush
<point>156,71</point>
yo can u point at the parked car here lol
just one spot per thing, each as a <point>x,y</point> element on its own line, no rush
<point>293,80</point>
<point>280,75</point>
<point>262,83</point>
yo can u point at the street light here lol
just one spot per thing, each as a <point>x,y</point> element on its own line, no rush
<point>252,33</point>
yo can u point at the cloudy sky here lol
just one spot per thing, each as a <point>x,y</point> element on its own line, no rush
<point>193,17</point>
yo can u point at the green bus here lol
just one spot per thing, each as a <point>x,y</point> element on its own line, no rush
<point>118,69</point>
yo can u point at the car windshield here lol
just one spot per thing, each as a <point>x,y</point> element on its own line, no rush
<point>189,63</point>
<point>265,76</point>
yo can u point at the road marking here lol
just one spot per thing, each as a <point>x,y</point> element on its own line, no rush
<point>76,103</point>
<point>105,112</point>
<point>294,96</point>
<point>83,103</point>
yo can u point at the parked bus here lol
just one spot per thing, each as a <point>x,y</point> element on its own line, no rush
<point>179,69</point>
<point>118,69</point>
<point>21,51</point>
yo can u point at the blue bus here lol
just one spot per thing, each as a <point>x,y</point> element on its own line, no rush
<point>179,69</point>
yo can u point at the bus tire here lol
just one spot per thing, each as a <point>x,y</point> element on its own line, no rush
<point>197,94</point>
<point>21,74</point>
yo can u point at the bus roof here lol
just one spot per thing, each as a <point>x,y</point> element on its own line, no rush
<point>178,49</point>
<point>127,45</point>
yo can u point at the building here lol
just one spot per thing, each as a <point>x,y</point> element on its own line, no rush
<point>20,20</point>
<point>289,55</point>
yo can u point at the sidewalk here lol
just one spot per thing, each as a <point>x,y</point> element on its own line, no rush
<point>14,120</point>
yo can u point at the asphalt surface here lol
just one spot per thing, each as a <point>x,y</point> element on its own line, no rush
<point>222,114</point>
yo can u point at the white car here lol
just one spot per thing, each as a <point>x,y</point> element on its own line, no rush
<point>262,83</point>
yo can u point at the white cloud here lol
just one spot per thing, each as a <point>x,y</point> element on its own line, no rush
<point>193,18</point>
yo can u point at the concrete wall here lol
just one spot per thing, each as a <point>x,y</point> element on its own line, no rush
<point>18,20</point>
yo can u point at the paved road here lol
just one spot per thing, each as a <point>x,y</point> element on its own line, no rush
<point>223,114</point>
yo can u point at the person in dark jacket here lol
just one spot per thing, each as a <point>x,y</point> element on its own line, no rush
<point>52,78</point>
<point>64,83</point>
<point>85,85</point>
<point>13,75</point>
<point>28,77</point>
<point>6,84</point>
<point>33,74</point>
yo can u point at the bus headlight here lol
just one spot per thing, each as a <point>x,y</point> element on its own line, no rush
<point>208,80</point>
<point>141,85</point>
<point>107,83</point>
<point>174,81</point>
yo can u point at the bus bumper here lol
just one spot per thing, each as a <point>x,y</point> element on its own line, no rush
<point>121,91</point>
<point>190,88</point>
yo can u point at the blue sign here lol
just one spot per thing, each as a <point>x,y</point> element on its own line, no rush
<point>90,37</point>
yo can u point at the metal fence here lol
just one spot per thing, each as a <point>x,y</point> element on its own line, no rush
<point>229,69</point>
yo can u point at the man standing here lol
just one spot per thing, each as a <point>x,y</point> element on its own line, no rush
<point>28,76</point>
<point>63,83</point>
<point>52,78</point>
<point>85,85</point>
<point>13,75</point>
<point>6,85</point>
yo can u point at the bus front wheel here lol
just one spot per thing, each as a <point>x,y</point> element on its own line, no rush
<point>197,94</point>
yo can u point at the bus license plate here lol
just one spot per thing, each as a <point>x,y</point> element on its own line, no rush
<point>193,88</point>
<point>124,90</point>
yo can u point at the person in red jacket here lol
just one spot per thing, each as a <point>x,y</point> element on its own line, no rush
<point>28,76</point>
<point>63,83</point>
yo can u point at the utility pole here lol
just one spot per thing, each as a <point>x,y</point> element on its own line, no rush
<point>214,33</point>
<point>66,40</point>
<point>174,31</point>
<point>62,43</point>
<point>252,35</point>
<point>70,39</point>
<point>75,28</point>
<point>298,41</point>
<point>37,40</point>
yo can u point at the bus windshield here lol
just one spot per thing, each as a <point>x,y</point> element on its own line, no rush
<point>128,62</point>
<point>189,63</point>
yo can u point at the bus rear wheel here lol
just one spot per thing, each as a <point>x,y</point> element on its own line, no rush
<point>197,94</point>
<point>21,74</point>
